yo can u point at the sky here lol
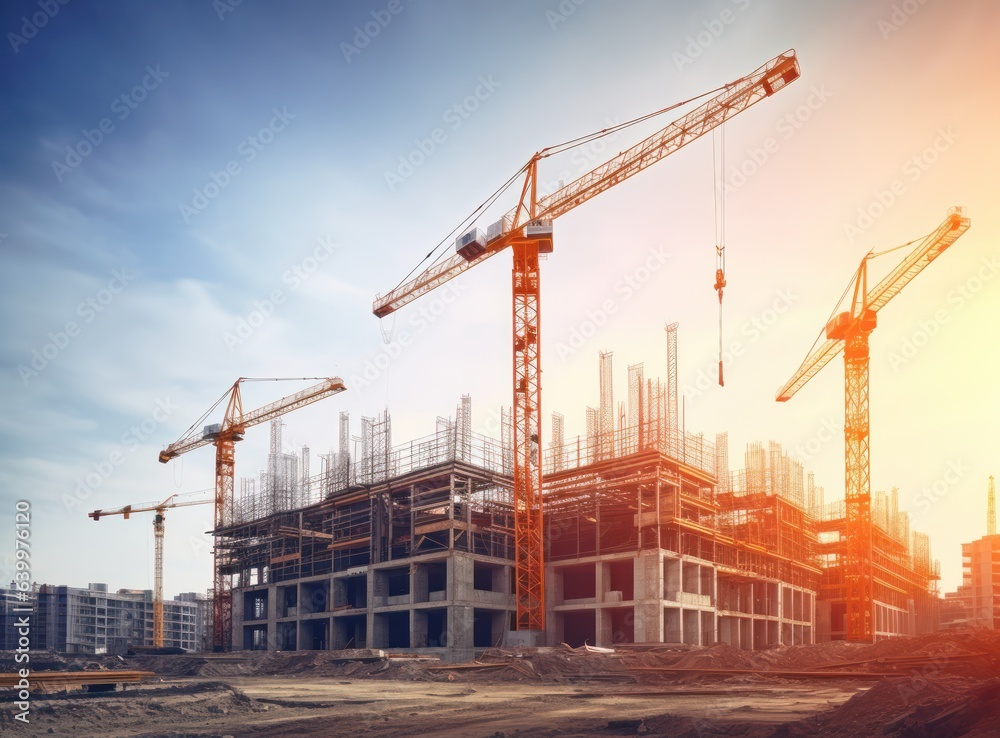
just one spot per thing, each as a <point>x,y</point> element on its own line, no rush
<point>195,191</point>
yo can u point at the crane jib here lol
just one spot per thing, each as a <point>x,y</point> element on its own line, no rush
<point>472,247</point>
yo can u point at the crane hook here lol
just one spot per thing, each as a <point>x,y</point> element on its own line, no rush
<point>720,284</point>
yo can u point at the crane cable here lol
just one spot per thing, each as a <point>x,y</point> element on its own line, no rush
<point>469,218</point>
<point>543,154</point>
<point>719,172</point>
<point>587,138</point>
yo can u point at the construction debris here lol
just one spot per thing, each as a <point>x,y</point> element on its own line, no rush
<point>943,684</point>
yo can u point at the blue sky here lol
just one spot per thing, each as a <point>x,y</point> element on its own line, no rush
<point>253,137</point>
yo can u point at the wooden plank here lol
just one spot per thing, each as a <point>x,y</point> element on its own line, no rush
<point>286,557</point>
<point>350,543</point>
<point>290,532</point>
<point>442,525</point>
<point>48,681</point>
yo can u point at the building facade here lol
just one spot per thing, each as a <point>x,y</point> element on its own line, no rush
<point>411,548</point>
<point>13,603</point>
<point>93,620</point>
<point>981,582</point>
<point>414,554</point>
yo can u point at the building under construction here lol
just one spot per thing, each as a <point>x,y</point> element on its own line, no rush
<point>649,537</point>
<point>406,547</point>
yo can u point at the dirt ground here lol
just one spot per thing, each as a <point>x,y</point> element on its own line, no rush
<point>930,686</point>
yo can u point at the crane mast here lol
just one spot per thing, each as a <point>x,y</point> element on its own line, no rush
<point>158,579</point>
<point>527,229</point>
<point>849,332</point>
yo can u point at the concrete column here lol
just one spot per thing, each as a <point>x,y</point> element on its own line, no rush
<point>372,580</point>
<point>418,584</point>
<point>672,575</point>
<point>648,579</point>
<point>553,596</point>
<point>272,617</point>
<point>338,593</point>
<point>236,605</point>
<point>604,630</point>
<point>460,579</point>
<point>418,628</point>
<point>602,581</point>
<point>648,575</point>
<point>553,587</point>
<point>459,634</point>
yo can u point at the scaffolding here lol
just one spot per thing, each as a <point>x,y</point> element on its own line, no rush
<point>445,492</point>
<point>905,578</point>
<point>647,408</point>
<point>606,418</point>
<point>636,480</point>
<point>556,445</point>
<point>671,399</point>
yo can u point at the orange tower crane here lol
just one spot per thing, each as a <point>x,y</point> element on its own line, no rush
<point>849,331</point>
<point>527,229</point>
<point>224,436</point>
<point>160,509</point>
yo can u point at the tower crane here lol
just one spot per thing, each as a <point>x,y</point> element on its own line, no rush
<point>527,230</point>
<point>848,331</point>
<point>224,436</point>
<point>171,502</point>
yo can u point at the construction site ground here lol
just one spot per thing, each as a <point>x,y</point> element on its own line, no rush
<point>938,685</point>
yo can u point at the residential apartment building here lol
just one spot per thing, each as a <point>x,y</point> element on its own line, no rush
<point>93,620</point>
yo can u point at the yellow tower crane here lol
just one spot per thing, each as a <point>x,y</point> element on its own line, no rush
<point>160,509</point>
